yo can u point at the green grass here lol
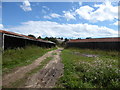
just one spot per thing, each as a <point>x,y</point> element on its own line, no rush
<point>0,64</point>
<point>54,53</point>
<point>90,72</point>
<point>13,58</point>
<point>21,82</point>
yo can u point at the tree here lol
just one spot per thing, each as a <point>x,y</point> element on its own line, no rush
<point>46,38</point>
<point>79,38</point>
<point>53,39</point>
<point>66,40</point>
<point>61,38</point>
<point>64,43</point>
<point>30,35</point>
<point>88,38</point>
<point>39,37</point>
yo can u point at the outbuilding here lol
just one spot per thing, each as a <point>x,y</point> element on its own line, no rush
<point>14,40</point>
<point>96,43</point>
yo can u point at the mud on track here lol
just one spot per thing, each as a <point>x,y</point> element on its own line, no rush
<point>43,78</point>
<point>47,77</point>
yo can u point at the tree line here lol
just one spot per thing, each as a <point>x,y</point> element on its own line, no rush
<point>55,40</point>
<point>52,39</point>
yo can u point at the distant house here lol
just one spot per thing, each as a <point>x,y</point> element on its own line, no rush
<point>14,40</point>
<point>96,43</point>
<point>60,41</point>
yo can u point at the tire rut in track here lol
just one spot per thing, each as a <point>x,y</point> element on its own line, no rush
<point>48,76</point>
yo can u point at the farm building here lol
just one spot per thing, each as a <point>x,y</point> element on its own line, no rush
<point>96,43</point>
<point>14,40</point>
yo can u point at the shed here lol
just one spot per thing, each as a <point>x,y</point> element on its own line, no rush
<point>14,40</point>
<point>112,43</point>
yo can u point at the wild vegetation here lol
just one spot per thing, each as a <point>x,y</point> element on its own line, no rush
<point>13,58</point>
<point>80,71</point>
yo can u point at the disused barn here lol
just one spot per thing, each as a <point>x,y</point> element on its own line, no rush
<point>14,40</point>
<point>96,43</point>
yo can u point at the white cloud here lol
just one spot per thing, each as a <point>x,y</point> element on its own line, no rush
<point>80,3</point>
<point>26,6</point>
<point>44,11</point>
<point>85,12</point>
<point>104,12</point>
<point>45,7</point>
<point>55,15</point>
<point>54,29</point>
<point>69,16</point>
<point>1,26</point>
<point>47,17</point>
<point>116,23</point>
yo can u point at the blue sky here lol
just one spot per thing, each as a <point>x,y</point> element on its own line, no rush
<point>61,19</point>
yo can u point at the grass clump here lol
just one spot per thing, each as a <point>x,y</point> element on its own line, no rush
<point>90,72</point>
<point>43,63</point>
<point>54,53</point>
<point>13,58</point>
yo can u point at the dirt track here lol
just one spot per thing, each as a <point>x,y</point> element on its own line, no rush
<point>44,78</point>
<point>48,76</point>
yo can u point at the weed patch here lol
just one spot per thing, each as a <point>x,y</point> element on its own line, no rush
<point>90,72</point>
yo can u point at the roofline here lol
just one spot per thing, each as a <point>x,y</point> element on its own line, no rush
<point>16,34</point>
<point>113,39</point>
<point>23,36</point>
<point>18,37</point>
<point>45,41</point>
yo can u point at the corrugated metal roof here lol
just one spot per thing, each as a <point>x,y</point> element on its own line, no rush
<point>114,39</point>
<point>20,35</point>
<point>45,41</point>
<point>12,33</point>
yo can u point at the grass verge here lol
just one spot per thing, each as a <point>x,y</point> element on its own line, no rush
<point>90,72</point>
<point>13,58</point>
